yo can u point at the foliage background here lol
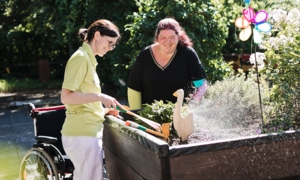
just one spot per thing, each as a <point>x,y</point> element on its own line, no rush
<point>282,51</point>
<point>32,30</point>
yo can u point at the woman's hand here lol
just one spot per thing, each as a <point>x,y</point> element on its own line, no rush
<point>109,101</point>
<point>112,111</point>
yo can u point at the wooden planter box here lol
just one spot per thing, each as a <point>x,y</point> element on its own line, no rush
<point>133,154</point>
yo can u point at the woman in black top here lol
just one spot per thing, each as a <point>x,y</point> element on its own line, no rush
<point>164,67</point>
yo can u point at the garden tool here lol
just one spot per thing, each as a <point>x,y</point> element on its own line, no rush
<point>153,124</point>
<point>136,125</point>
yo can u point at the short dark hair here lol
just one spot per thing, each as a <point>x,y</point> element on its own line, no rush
<point>105,27</point>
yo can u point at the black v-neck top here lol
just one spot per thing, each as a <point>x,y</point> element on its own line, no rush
<point>155,61</point>
<point>159,83</point>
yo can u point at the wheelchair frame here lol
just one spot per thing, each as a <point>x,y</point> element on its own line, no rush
<point>46,159</point>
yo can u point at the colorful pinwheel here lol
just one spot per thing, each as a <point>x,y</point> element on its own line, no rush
<point>249,18</point>
<point>258,22</point>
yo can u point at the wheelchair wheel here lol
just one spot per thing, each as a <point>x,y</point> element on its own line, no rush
<point>37,165</point>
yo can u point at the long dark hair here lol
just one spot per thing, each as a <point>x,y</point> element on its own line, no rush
<point>171,23</point>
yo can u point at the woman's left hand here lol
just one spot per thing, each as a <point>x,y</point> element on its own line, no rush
<point>112,111</point>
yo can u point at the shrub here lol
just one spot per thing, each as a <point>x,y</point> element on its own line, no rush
<point>161,112</point>
<point>229,109</point>
<point>282,49</point>
<point>158,111</point>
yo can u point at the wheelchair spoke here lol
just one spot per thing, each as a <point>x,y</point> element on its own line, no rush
<point>36,165</point>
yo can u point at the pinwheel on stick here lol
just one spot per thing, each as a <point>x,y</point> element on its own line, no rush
<point>257,20</point>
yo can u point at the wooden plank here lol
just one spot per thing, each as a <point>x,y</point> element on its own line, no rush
<point>265,157</point>
<point>114,166</point>
<point>165,169</point>
<point>265,161</point>
<point>132,153</point>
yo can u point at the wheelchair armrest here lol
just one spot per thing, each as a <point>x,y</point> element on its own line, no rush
<point>46,139</point>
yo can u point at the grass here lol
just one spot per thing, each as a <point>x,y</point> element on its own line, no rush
<point>15,85</point>
<point>10,160</point>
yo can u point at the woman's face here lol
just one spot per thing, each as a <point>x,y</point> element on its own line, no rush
<point>103,44</point>
<point>168,40</point>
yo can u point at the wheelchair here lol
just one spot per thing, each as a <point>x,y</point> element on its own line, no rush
<point>46,160</point>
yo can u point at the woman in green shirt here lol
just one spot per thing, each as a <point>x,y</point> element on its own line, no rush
<point>81,94</point>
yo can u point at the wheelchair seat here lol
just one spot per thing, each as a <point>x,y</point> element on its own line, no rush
<point>49,122</point>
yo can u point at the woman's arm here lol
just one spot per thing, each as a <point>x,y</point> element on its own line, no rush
<point>198,83</point>
<point>72,97</point>
<point>202,87</point>
<point>134,99</point>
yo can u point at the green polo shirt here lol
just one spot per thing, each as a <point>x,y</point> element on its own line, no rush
<point>81,76</point>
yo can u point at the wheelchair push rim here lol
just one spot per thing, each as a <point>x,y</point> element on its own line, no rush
<point>37,165</point>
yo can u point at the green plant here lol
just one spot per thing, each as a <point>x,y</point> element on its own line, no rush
<point>278,125</point>
<point>158,111</point>
<point>161,113</point>
<point>282,51</point>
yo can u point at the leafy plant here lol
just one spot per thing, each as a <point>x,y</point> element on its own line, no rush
<point>282,49</point>
<point>158,111</point>
<point>161,112</point>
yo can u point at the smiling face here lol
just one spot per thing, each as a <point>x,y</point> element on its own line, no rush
<point>102,44</point>
<point>168,40</point>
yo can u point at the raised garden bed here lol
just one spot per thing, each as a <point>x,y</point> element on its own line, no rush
<point>134,154</point>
